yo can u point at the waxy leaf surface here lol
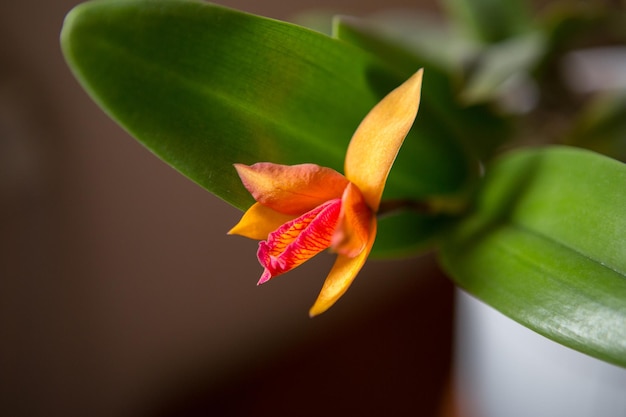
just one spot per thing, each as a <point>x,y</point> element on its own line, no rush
<point>546,245</point>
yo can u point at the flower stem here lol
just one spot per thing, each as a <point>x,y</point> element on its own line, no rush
<point>437,205</point>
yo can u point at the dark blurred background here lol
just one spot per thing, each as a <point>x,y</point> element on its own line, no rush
<point>121,295</point>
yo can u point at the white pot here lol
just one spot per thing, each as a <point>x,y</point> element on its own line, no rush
<point>505,370</point>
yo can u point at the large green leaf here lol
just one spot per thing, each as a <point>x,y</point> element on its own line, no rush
<point>546,245</point>
<point>204,86</point>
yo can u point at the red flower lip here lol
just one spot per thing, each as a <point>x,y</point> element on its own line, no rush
<point>298,240</point>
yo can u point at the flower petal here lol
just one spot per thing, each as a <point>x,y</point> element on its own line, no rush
<point>341,276</point>
<point>353,228</point>
<point>259,221</point>
<point>291,189</point>
<point>298,240</point>
<point>378,138</point>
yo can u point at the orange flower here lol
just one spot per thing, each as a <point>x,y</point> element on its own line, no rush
<point>304,209</point>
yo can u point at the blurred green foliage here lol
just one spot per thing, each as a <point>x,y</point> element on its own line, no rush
<point>535,230</point>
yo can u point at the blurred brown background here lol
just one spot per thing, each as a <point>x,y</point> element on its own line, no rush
<point>121,295</point>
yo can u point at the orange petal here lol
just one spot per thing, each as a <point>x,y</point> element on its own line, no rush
<point>298,240</point>
<point>378,138</point>
<point>353,228</point>
<point>259,221</point>
<point>291,189</point>
<point>341,276</point>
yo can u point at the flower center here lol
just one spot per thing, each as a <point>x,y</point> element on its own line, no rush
<point>299,239</point>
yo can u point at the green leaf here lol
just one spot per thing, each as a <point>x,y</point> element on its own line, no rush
<point>204,87</point>
<point>474,128</point>
<point>546,245</point>
<point>501,64</point>
<point>490,21</point>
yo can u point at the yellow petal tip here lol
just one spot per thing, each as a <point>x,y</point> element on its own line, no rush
<point>341,276</point>
<point>377,140</point>
<point>316,311</point>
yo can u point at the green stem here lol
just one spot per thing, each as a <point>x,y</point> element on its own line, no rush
<point>437,205</point>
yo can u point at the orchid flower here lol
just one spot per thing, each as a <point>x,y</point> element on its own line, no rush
<point>301,210</point>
